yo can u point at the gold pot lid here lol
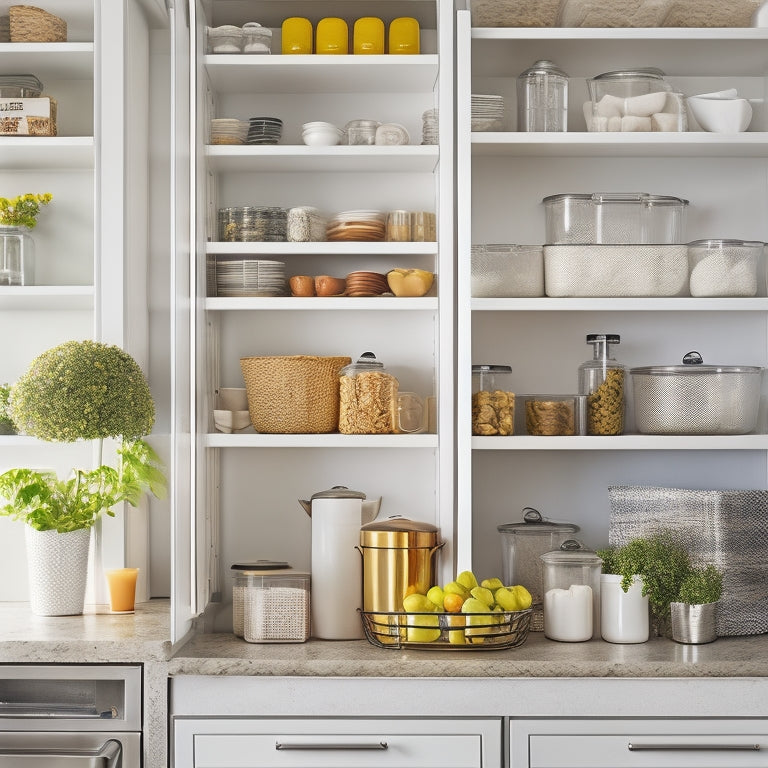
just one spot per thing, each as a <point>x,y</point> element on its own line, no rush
<point>397,532</point>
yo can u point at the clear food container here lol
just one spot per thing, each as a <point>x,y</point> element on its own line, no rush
<point>634,100</point>
<point>270,602</point>
<point>20,87</point>
<point>493,401</point>
<point>542,98</point>
<point>614,218</point>
<point>724,267</point>
<point>522,545</point>
<point>551,415</point>
<point>602,380</point>
<point>305,224</point>
<point>361,132</point>
<point>504,270</point>
<point>696,399</point>
<point>571,577</point>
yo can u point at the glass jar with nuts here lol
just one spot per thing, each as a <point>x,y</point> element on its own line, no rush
<point>602,380</point>
<point>493,402</point>
<point>367,398</point>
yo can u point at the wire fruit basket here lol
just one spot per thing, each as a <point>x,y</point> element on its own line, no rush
<point>447,631</point>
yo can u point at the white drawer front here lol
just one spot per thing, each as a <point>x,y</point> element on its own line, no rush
<point>648,751</point>
<point>337,750</point>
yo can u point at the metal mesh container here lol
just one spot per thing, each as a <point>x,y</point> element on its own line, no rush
<point>506,270</point>
<point>726,528</point>
<point>696,399</point>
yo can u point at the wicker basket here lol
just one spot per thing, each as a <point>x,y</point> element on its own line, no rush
<point>293,394</point>
<point>34,25</point>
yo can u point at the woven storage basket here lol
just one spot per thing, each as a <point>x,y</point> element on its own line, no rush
<point>34,25</point>
<point>726,528</point>
<point>293,394</point>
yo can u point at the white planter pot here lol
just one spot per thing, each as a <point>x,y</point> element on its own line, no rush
<point>623,615</point>
<point>58,570</point>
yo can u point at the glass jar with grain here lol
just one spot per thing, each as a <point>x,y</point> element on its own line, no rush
<point>602,380</point>
<point>493,401</point>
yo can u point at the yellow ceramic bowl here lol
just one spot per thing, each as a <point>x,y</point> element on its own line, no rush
<point>368,35</point>
<point>404,35</point>
<point>332,36</point>
<point>296,35</point>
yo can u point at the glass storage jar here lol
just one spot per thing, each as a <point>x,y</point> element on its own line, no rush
<point>493,401</point>
<point>398,226</point>
<point>542,98</point>
<point>571,578</point>
<point>602,380</point>
<point>296,35</point>
<point>361,132</point>
<point>724,267</point>
<point>305,224</point>
<point>17,253</point>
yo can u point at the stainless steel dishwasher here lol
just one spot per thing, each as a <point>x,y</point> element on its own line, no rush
<point>70,716</point>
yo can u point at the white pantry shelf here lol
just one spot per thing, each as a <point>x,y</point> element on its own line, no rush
<point>326,248</point>
<point>49,61</point>
<point>629,304</point>
<point>42,298</point>
<point>616,144</point>
<point>323,441</point>
<point>298,158</point>
<point>323,304</point>
<point>622,443</point>
<point>54,153</point>
<point>283,74</point>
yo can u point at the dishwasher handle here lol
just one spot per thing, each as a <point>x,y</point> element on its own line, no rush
<point>328,745</point>
<point>110,755</point>
<point>649,747</point>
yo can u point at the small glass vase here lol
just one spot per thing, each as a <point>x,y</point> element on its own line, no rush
<point>17,254</point>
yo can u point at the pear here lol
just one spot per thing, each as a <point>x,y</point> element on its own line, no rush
<point>477,626</point>
<point>484,595</point>
<point>419,628</point>
<point>492,584</point>
<point>436,595</point>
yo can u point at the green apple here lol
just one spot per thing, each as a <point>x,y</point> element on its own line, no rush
<point>467,579</point>
<point>484,595</point>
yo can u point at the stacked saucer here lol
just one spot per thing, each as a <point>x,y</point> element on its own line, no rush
<point>366,284</point>
<point>429,131</point>
<point>264,130</point>
<point>228,130</point>
<point>487,112</point>
<point>250,277</point>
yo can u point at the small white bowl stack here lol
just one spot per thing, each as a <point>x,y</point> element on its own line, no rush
<point>720,111</point>
<point>320,134</point>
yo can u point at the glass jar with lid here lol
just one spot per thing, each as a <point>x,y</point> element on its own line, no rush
<point>542,98</point>
<point>369,401</point>
<point>602,379</point>
<point>571,578</point>
<point>493,401</point>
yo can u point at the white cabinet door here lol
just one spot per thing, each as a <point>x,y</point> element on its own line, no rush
<point>328,742</point>
<point>592,743</point>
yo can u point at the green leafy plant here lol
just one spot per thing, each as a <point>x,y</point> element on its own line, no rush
<point>7,426</point>
<point>704,584</point>
<point>82,390</point>
<point>662,563</point>
<point>22,210</point>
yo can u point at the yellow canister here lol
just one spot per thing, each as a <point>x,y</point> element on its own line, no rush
<point>296,35</point>
<point>332,36</point>
<point>398,558</point>
<point>404,35</point>
<point>368,36</point>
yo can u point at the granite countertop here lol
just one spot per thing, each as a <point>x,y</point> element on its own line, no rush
<point>97,636</point>
<point>225,654</point>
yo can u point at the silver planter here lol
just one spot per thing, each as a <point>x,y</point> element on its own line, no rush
<point>694,623</point>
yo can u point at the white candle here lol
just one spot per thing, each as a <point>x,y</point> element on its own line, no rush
<point>568,613</point>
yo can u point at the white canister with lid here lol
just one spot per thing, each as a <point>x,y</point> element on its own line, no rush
<point>337,574</point>
<point>571,593</point>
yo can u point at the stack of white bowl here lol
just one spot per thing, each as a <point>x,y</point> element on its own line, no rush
<point>319,134</point>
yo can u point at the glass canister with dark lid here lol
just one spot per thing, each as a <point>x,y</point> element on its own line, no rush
<point>603,380</point>
<point>522,545</point>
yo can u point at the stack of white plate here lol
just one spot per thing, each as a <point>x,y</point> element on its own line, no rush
<point>250,277</point>
<point>228,130</point>
<point>487,112</point>
<point>429,132</point>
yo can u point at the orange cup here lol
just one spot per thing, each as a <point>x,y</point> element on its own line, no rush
<point>122,589</point>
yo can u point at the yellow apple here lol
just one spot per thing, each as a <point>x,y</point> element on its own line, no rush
<point>492,584</point>
<point>484,595</point>
<point>467,579</point>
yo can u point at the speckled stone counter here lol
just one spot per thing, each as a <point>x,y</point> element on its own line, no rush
<point>99,637</point>
<point>225,654</point>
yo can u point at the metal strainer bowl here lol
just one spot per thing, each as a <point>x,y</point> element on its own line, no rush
<point>696,399</point>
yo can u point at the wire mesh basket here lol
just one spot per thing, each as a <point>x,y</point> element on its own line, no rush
<point>447,631</point>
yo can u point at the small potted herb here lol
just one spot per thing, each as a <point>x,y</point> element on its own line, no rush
<point>694,613</point>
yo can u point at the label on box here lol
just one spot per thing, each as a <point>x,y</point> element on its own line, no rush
<point>25,117</point>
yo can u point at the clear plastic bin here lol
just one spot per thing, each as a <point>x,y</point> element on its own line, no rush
<point>500,270</point>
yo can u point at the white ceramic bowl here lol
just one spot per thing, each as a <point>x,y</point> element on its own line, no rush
<point>321,137</point>
<point>231,421</point>
<point>720,115</point>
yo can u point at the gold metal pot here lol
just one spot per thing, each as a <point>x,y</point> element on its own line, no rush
<point>398,559</point>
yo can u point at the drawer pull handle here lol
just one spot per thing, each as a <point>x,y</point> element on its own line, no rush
<point>331,745</point>
<point>712,747</point>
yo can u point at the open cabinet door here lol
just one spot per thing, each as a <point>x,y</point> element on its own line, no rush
<point>184,604</point>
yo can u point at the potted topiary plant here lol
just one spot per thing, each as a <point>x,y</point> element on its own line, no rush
<point>660,563</point>
<point>79,390</point>
<point>7,427</point>
<point>694,613</point>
